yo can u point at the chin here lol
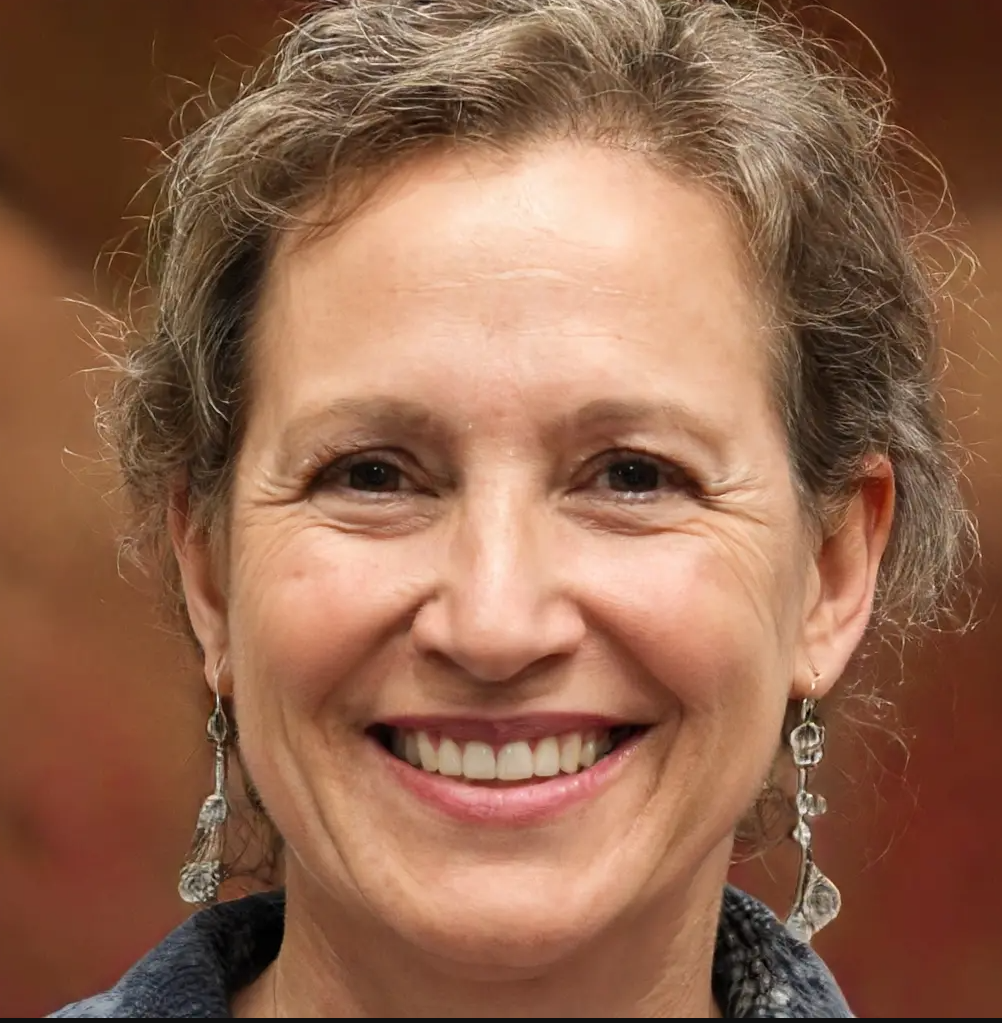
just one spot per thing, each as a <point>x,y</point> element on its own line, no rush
<point>505,926</point>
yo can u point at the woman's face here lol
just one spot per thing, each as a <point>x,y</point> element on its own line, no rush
<point>514,505</point>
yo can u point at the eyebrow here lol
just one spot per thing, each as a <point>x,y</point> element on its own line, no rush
<point>619,413</point>
<point>373,414</point>
<point>384,415</point>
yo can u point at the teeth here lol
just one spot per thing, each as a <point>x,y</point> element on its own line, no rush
<point>450,759</point>
<point>515,761</point>
<point>546,761</point>
<point>412,750</point>
<point>478,762</point>
<point>427,753</point>
<point>570,753</point>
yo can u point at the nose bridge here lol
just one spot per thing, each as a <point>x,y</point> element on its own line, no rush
<point>501,607</point>
<point>499,568</point>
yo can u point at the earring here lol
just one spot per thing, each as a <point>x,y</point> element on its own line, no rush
<point>817,901</point>
<point>203,871</point>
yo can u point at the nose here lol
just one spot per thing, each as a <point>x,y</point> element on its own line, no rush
<point>500,608</point>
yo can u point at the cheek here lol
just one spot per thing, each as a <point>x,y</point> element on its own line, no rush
<point>702,626</point>
<point>309,605</point>
<point>710,622</point>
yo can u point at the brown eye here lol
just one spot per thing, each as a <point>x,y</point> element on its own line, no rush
<point>634,475</point>
<point>373,476</point>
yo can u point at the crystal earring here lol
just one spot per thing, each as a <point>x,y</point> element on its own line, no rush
<point>817,901</point>
<point>203,871</point>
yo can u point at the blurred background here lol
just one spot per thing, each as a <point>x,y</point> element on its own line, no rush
<point>102,760</point>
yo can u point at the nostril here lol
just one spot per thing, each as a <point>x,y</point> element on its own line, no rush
<point>493,639</point>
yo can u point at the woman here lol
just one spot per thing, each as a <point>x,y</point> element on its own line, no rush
<point>539,407</point>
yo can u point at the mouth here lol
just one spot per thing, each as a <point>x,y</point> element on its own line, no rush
<point>502,754</point>
<point>517,772</point>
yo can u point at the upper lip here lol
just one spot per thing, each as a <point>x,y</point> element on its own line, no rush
<point>511,729</point>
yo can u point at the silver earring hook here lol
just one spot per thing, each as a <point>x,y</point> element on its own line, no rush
<point>815,675</point>
<point>217,727</point>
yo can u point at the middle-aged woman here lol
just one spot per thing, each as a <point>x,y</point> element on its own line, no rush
<point>537,411</point>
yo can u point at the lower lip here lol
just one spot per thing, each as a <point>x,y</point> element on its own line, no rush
<point>515,805</point>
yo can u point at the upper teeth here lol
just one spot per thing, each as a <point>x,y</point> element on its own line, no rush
<point>514,761</point>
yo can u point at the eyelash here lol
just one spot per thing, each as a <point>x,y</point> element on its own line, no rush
<point>330,464</point>
<point>327,464</point>
<point>676,476</point>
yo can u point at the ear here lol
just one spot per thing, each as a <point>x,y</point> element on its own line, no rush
<point>841,599</point>
<point>205,599</point>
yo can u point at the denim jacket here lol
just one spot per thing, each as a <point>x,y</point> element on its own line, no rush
<point>760,971</point>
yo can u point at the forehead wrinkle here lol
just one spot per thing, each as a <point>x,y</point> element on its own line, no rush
<point>549,275</point>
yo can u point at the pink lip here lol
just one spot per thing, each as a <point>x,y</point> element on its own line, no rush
<point>513,805</point>
<point>502,730</point>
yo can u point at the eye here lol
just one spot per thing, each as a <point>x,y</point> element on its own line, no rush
<point>363,473</point>
<point>628,473</point>
<point>636,475</point>
<point>373,475</point>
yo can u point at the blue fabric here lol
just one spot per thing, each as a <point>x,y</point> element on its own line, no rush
<point>760,971</point>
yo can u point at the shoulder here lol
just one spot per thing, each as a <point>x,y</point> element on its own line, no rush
<point>197,968</point>
<point>761,971</point>
<point>107,1005</point>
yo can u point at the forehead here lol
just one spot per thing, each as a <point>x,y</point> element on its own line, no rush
<point>572,264</point>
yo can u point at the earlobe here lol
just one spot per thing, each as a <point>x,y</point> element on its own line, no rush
<point>847,565</point>
<point>204,598</point>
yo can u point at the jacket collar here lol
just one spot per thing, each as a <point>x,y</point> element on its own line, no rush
<point>760,970</point>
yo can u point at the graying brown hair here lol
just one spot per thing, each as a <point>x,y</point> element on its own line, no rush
<point>722,93</point>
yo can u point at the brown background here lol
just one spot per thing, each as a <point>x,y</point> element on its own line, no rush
<point>101,759</point>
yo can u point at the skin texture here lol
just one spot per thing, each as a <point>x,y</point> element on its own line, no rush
<point>501,334</point>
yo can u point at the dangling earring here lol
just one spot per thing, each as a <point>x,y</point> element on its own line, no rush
<point>817,901</point>
<point>203,871</point>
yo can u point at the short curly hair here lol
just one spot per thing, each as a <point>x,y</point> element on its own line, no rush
<point>725,94</point>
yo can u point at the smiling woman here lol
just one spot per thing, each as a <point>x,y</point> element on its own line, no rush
<point>539,406</point>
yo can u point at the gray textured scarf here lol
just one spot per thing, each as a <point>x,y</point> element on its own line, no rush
<point>760,971</point>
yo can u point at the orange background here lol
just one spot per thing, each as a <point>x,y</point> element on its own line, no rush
<point>102,762</point>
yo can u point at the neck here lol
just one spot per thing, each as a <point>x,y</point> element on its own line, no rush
<point>656,964</point>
